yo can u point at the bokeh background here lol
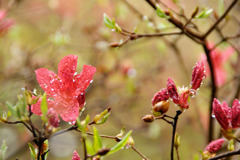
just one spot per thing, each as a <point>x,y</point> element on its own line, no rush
<point>45,31</point>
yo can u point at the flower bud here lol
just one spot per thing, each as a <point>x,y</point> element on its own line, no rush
<point>130,142</point>
<point>231,145</point>
<point>114,44</point>
<point>160,108</point>
<point>75,156</point>
<point>214,146</point>
<point>198,75</point>
<point>177,140</point>
<point>148,118</point>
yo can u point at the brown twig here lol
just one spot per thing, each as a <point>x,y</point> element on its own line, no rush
<point>144,157</point>
<point>228,154</point>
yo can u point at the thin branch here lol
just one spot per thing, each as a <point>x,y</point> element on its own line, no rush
<point>228,154</point>
<point>174,131</point>
<point>214,91</point>
<point>84,148</point>
<point>17,122</point>
<point>144,157</point>
<point>219,20</point>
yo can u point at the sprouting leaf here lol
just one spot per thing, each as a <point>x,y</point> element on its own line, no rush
<point>3,150</point>
<point>12,109</point>
<point>32,151</point>
<point>220,7</point>
<point>82,125</point>
<point>118,28</point>
<point>89,147</point>
<point>97,142</point>
<point>161,13</point>
<point>44,107</point>
<point>102,117</point>
<point>205,13</point>
<point>108,22</point>
<point>120,144</point>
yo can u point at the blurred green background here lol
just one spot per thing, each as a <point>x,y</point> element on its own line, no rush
<point>126,79</point>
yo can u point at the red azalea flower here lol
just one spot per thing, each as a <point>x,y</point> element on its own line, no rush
<point>172,90</point>
<point>5,23</point>
<point>65,91</point>
<point>214,146</point>
<point>227,117</point>
<point>75,156</point>
<point>219,58</point>
<point>198,75</point>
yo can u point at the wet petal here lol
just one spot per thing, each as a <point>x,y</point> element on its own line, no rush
<point>84,78</point>
<point>236,114</point>
<point>53,118</point>
<point>183,101</point>
<point>49,82</point>
<point>36,108</point>
<point>67,68</point>
<point>172,91</point>
<point>81,99</point>
<point>161,95</point>
<point>68,109</point>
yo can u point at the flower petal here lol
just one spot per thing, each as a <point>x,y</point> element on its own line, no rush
<point>214,146</point>
<point>236,114</point>
<point>66,69</point>
<point>172,91</point>
<point>220,114</point>
<point>68,109</point>
<point>83,79</point>
<point>161,95</point>
<point>36,108</point>
<point>53,118</point>
<point>49,81</point>
<point>183,101</point>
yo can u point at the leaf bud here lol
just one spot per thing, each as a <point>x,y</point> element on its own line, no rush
<point>177,140</point>
<point>103,151</point>
<point>148,118</point>
<point>160,108</point>
<point>130,142</point>
<point>231,145</point>
<point>114,44</point>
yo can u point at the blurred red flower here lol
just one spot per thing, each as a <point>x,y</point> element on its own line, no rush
<point>65,91</point>
<point>5,23</point>
<point>219,58</point>
<point>75,156</point>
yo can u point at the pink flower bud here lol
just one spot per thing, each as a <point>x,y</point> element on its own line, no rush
<point>183,101</point>
<point>221,113</point>
<point>161,95</point>
<point>236,114</point>
<point>172,91</point>
<point>75,156</point>
<point>214,146</point>
<point>198,75</point>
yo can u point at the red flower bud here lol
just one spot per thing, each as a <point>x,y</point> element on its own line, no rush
<point>198,75</point>
<point>75,156</point>
<point>236,114</point>
<point>214,146</point>
<point>183,101</point>
<point>53,118</point>
<point>161,95</point>
<point>172,91</point>
<point>222,113</point>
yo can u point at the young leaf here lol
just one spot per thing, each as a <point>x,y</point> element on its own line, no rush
<point>108,23</point>
<point>44,107</point>
<point>120,144</point>
<point>220,7</point>
<point>89,147</point>
<point>12,109</point>
<point>161,13</point>
<point>32,151</point>
<point>97,142</point>
<point>3,150</point>
<point>205,13</point>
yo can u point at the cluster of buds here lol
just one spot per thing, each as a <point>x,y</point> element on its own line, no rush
<point>180,96</point>
<point>212,148</point>
<point>228,118</point>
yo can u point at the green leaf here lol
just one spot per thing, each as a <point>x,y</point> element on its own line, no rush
<point>3,150</point>
<point>205,13</point>
<point>108,22</point>
<point>44,107</point>
<point>104,119</point>
<point>89,147</point>
<point>118,28</point>
<point>32,151</point>
<point>97,142</point>
<point>12,109</point>
<point>120,144</point>
<point>161,13</point>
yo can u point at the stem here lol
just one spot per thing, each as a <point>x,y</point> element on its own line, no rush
<point>139,153</point>
<point>178,157</point>
<point>174,130</point>
<point>214,91</point>
<point>228,154</point>
<point>84,148</point>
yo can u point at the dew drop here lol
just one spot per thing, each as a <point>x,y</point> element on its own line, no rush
<point>52,81</point>
<point>52,89</point>
<point>91,81</point>
<point>82,93</point>
<point>213,116</point>
<point>75,73</point>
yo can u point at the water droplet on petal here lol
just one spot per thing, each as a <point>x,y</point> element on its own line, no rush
<point>91,81</point>
<point>213,116</point>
